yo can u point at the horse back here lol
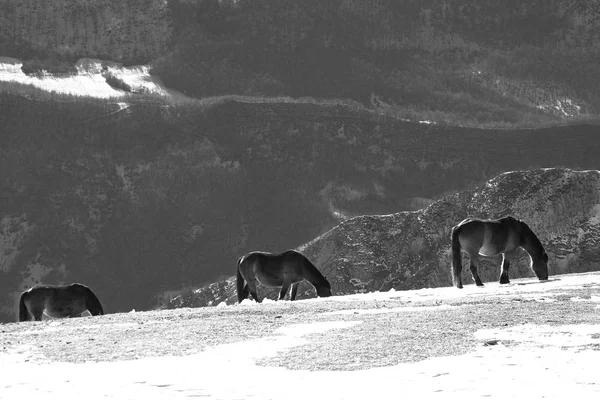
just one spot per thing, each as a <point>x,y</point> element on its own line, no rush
<point>470,233</point>
<point>503,234</point>
<point>259,265</point>
<point>59,300</point>
<point>37,295</point>
<point>491,236</point>
<point>272,269</point>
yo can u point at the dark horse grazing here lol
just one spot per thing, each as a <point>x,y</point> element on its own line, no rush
<point>493,237</point>
<point>284,269</point>
<point>58,302</point>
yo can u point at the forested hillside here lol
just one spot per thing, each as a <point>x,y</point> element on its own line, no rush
<point>275,121</point>
<point>157,196</point>
<point>470,62</point>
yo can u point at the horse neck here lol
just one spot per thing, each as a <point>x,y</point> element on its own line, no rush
<point>531,243</point>
<point>312,274</point>
<point>93,304</point>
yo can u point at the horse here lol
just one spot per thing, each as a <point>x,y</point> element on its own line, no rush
<point>283,269</point>
<point>491,237</point>
<point>58,301</point>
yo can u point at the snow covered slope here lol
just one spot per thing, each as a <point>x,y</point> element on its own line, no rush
<point>528,339</point>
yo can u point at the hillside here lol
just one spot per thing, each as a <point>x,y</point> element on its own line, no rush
<point>467,62</point>
<point>157,196</point>
<point>411,250</point>
<point>423,343</point>
<point>146,145</point>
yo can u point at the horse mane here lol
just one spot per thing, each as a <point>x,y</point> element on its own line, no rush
<point>315,270</point>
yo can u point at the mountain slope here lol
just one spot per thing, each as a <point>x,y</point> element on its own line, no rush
<point>411,250</point>
<point>148,196</point>
<point>467,62</point>
<point>150,190</point>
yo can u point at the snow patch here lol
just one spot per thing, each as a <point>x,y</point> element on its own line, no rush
<point>82,84</point>
<point>470,376</point>
<point>90,79</point>
<point>559,358</point>
<point>561,336</point>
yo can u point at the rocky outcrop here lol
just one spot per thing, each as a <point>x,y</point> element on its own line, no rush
<point>411,250</point>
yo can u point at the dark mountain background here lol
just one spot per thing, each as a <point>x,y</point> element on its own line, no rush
<point>493,63</point>
<point>289,117</point>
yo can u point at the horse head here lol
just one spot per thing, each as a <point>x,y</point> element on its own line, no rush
<point>324,290</point>
<point>533,246</point>
<point>540,266</point>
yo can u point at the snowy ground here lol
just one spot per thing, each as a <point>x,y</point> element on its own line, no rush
<point>528,339</point>
<point>88,81</point>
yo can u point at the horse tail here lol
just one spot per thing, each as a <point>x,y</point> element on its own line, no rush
<point>456,257</point>
<point>242,288</point>
<point>23,313</point>
<point>92,303</point>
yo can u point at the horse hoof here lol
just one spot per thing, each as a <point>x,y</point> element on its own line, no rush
<point>480,284</point>
<point>504,282</point>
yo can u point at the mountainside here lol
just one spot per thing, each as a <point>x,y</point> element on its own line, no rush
<point>146,145</point>
<point>150,197</point>
<point>411,250</point>
<point>133,31</point>
<point>467,62</point>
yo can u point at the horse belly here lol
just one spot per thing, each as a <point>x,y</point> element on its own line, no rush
<point>57,312</point>
<point>269,281</point>
<point>488,251</point>
<point>489,247</point>
<point>64,307</point>
<point>267,277</point>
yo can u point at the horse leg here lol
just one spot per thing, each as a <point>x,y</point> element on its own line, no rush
<point>284,289</point>
<point>294,291</point>
<point>252,286</point>
<point>37,314</point>
<point>474,266</point>
<point>456,258</point>
<point>505,266</point>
